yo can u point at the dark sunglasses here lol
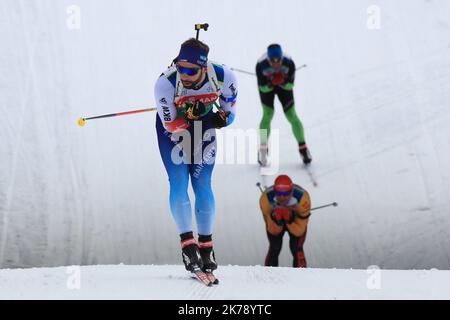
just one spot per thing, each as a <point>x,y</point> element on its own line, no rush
<point>282,193</point>
<point>189,71</point>
<point>275,60</point>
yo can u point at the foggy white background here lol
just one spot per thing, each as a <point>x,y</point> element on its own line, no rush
<point>374,103</point>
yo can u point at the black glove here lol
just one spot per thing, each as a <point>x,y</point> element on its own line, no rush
<point>219,119</point>
<point>193,110</point>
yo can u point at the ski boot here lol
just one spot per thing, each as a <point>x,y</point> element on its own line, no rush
<point>191,255</point>
<point>262,155</point>
<point>192,259</point>
<point>208,257</point>
<point>304,153</point>
<point>301,260</point>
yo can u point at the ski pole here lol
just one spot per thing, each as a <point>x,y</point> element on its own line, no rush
<point>254,74</point>
<point>334,204</point>
<point>243,71</point>
<point>258,184</point>
<point>82,121</point>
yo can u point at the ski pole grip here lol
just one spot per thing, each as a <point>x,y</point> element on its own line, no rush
<point>258,184</point>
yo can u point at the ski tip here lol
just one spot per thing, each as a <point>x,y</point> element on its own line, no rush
<point>202,277</point>
<point>212,277</point>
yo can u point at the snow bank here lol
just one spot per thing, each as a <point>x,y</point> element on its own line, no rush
<point>237,283</point>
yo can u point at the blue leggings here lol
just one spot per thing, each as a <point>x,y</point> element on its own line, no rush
<point>199,169</point>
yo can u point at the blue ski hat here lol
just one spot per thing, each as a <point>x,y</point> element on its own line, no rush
<point>198,56</point>
<point>274,51</point>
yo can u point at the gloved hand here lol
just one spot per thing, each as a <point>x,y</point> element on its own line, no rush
<point>282,215</point>
<point>177,125</point>
<point>266,88</point>
<point>219,119</point>
<point>287,86</point>
<point>278,79</point>
<point>193,110</point>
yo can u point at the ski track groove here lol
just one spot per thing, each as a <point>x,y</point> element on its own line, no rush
<point>200,291</point>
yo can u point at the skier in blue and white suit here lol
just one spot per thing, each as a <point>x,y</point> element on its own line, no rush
<point>187,95</point>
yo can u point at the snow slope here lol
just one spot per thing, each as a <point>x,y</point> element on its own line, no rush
<point>375,105</point>
<point>237,283</point>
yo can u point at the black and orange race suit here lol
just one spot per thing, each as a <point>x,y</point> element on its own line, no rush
<point>301,204</point>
